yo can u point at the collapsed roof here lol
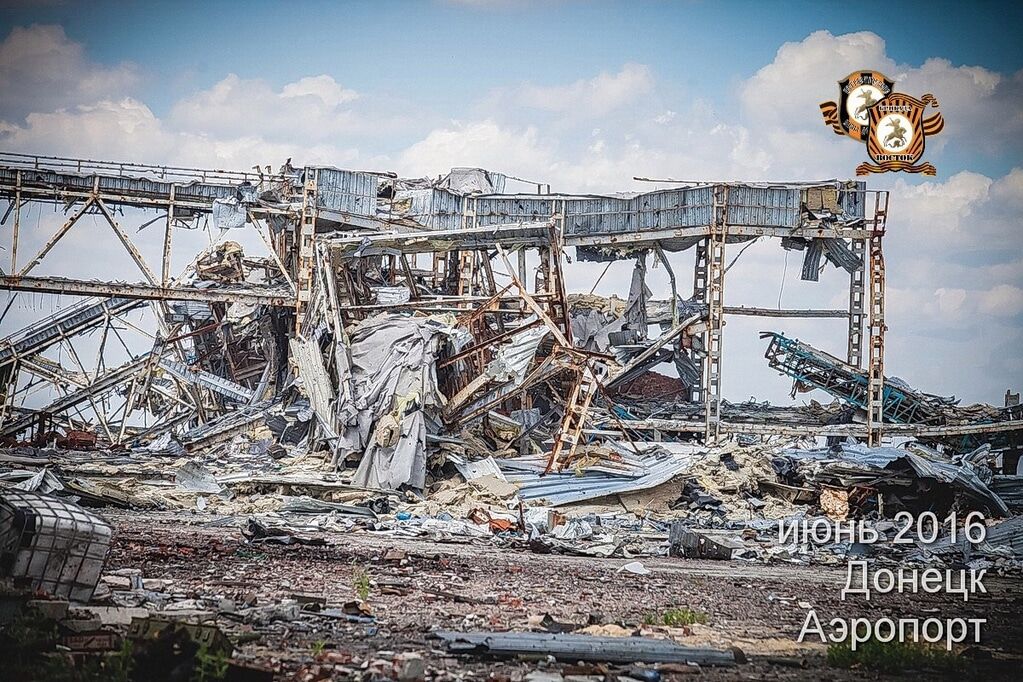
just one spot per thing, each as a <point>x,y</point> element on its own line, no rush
<point>391,316</point>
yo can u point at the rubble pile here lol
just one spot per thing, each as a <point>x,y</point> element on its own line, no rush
<point>624,500</point>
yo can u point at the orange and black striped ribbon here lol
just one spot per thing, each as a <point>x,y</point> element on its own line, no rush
<point>932,125</point>
<point>830,112</point>
<point>893,166</point>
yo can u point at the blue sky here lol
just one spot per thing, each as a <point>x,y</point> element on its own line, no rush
<point>701,45</point>
<point>443,55</point>
<point>583,95</point>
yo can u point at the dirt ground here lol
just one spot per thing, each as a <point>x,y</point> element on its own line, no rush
<point>416,587</point>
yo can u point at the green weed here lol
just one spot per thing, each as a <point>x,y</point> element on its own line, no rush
<point>676,617</point>
<point>892,657</point>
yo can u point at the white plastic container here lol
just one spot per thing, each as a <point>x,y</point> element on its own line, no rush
<point>52,545</point>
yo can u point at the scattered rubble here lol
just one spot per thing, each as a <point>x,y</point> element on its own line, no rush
<point>407,364</point>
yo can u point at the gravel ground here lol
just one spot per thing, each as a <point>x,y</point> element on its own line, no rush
<point>417,586</point>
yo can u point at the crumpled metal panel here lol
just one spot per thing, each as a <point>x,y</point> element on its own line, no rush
<point>925,461</point>
<point>659,463</point>
<point>812,261</point>
<point>473,181</point>
<point>839,253</point>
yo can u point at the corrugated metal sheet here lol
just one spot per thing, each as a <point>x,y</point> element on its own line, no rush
<point>853,198</point>
<point>839,253</point>
<point>774,206</point>
<point>1010,489</point>
<point>500,210</point>
<point>598,215</point>
<point>660,210</point>
<point>672,208</point>
<point>346,191</point>
<point>194,191</point>
<point>667,209</point>
<point>437,209</point>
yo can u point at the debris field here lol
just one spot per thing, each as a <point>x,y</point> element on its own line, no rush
<point>397,447</point>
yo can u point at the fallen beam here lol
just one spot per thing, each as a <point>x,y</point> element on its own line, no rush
<point>659,310</point>
<point>573,648</point>
<point>224,387</point>
<point>426,241</point>
<point>784,312</point>
<point>763,429</point>
<point>101,385</point>
<point>132,290</point>
<point>810,367</point>
<point>67,322</point>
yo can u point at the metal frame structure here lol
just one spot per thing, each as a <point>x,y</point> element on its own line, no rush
<point>334,247</point>
<point>82,188</point>
<point>715,300</point>
<point>876,387</point>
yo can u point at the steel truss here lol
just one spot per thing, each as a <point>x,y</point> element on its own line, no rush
<point>330,263</point>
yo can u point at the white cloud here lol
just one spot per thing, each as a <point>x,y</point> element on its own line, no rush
<point>484,144</point>
<point>323,87</point>
<point>310,109</point>
<point>966,213</point>
<point>1008,191</point>
<point>584,98</point>
<point>42,70</point>
<point>104,129</point>
<point>950,301</point>
<point>667,117</point>
<point>127,130</point>
<point>786,92</point>
<point>579,157</point>
<point>1004,300</point>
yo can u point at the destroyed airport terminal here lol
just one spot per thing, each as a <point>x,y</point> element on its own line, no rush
<point>406,362</point>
